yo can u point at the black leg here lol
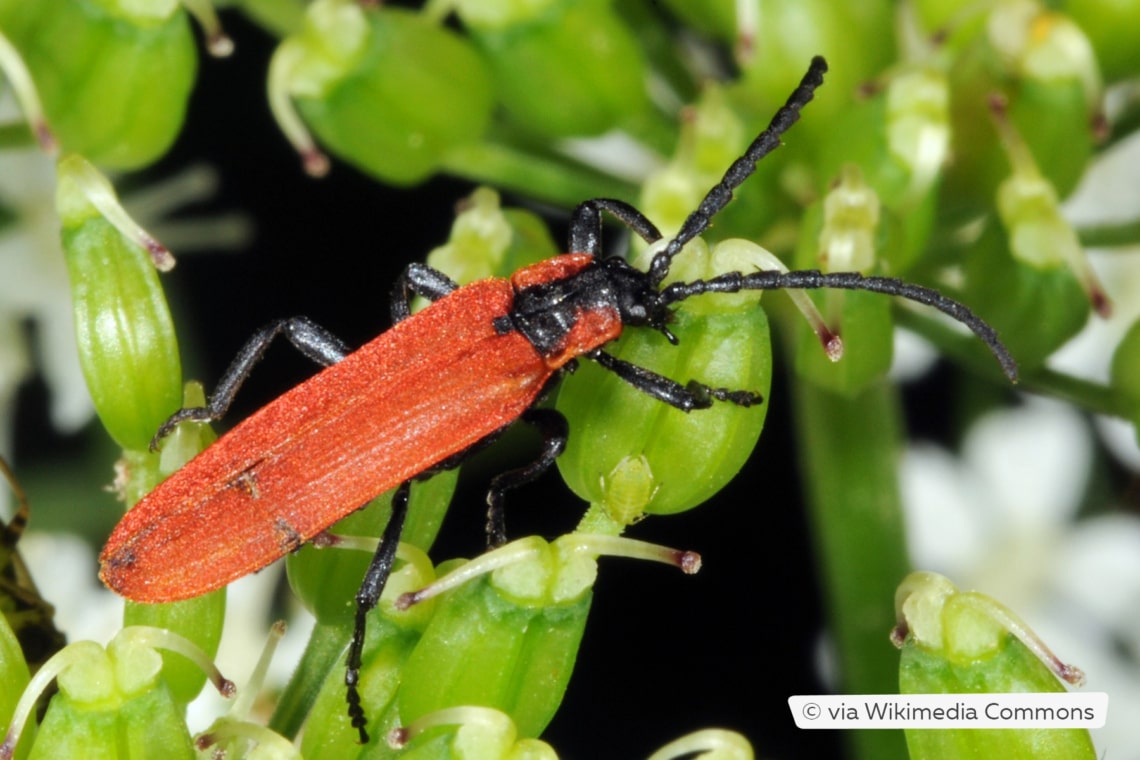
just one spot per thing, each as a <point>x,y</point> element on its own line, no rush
<point>554,429</point>
<point>366,600</point>
<point>312,340</point>
<point>586,224</point>
<point>741,169</point>
<point>688,397</point>
<point>421,280</point>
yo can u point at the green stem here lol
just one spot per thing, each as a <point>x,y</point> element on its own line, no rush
<point>1110,235</point>
<point>543,177</point>
<point>326,644</point>
<point>848,450</point>
<point>16,135</point>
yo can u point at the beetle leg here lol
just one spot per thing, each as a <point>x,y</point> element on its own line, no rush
<point>367,598</point>
<point>421,280</point>
<point>684,397</point>
<point>586,224</point>
<point>554,429</point>
<point>312,340</point>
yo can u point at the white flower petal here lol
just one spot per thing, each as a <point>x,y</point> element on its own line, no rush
<point>1032,461</point>
<point>945,523</point>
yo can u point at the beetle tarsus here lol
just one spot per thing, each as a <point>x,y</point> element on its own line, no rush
<point>554,429</point>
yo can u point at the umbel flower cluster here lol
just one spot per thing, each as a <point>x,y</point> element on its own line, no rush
<point>940,151</point>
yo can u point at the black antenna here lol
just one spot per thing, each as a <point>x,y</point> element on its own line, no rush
<point>742,168</point>
<point>813,279</point>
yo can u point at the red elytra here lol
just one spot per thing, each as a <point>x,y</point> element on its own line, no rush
<point>430,387</point>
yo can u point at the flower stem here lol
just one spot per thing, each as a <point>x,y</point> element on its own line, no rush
<point>535,175</point>
<point>848,450</point>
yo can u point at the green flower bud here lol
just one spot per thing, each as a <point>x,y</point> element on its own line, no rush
<point>712,137</point>
<point>481,648</point>
<point>561,68</point>
<point>385,89</point>
<point>481,732</point>
<point>112,702</point>
<point>510,641</point>
<point>723,343</point>
<point>487,240</point>
<point>127,346</point>
<point>898,137</point>
<point>328,730</point>
<point>1030,210</point>
<point>326,580</point>
<point>115,77</point>
<point>965,642</point>
<point>199,620</point>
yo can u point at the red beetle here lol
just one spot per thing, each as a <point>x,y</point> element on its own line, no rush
<point>418,397</point>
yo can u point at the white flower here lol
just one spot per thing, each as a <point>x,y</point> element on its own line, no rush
<point>1002,519</point>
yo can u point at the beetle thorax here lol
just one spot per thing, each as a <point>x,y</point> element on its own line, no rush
<point>547,313</point>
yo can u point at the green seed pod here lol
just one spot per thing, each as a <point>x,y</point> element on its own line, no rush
<point>385,89</point>
<point>114,77</point>
<point>127,346</point>
<point>857,39</point>
<point>1042,65</point>
<point>510,641</point>
<point>113,702</point>
<point>1034,309</point>
<point>561,68</point>
<point>328,730</point>
<point>965,642</point>
<point>326,579</point>
<point>481,732</point>
<point>1110,26</point>
<point>899,135</point>
<point>723,343</point>
<point>481,648</point>
<point>200,619</point>
<point>14,679</point>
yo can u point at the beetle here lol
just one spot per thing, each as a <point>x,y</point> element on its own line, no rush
<point>425,393</point>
